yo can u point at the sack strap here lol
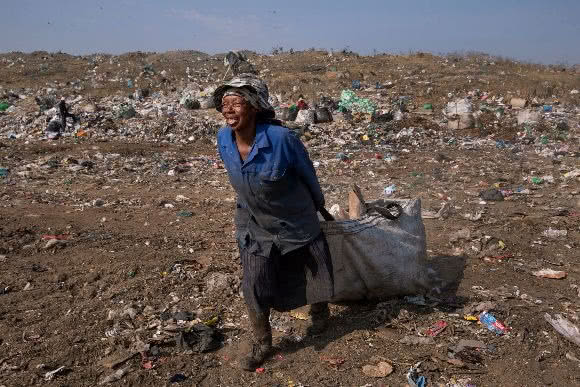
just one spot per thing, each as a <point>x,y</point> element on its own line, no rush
<point>325,214</point>
<point>391,211</point>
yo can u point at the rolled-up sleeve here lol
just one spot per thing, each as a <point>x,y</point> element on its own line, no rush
<point>305,170</point>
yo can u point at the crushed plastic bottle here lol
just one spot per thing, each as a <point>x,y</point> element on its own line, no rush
<point>492,323</point>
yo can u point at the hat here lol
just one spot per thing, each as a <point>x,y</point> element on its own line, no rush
<point>252,83</point>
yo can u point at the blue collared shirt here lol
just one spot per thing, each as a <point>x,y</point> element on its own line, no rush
<point>278,191</point>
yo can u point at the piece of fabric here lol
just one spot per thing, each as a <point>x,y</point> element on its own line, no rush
<point>277,188</point>
<point>288,281</point>
<point>246,94</point>
<point>252,83</point>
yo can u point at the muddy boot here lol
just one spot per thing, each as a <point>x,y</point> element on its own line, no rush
<point>319,315</point>
<point>261,345</point>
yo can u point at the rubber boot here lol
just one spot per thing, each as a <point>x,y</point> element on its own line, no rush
<point>261,343</point>
<point>319,315</point>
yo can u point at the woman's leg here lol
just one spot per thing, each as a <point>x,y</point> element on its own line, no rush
<point>319,311</point>
<point>257,286</point>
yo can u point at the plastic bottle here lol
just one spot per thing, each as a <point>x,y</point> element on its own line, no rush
<point>492,323</point>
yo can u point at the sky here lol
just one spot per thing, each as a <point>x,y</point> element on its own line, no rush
<point>528,30</point>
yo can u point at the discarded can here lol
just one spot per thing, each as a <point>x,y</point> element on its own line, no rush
<point>547,108</point>
<point>428,106</point>
<point>492,323</point>
<point>537,180</point>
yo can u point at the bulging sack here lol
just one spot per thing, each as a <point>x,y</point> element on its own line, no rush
<point>375,257</point>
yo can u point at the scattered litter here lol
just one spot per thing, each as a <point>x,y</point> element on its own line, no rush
<point>572,356</point>
<point>564,327</point>
<point>492,323</point>
<point>350,102</point>
<point>413,377</point>
<point>549,273</point>
<point>51,374</point>
<point>200,338</point>
<point>551,233</point>
<point>436,329</point>
<point>390,190</point>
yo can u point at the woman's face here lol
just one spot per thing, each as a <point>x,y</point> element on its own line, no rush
<point>238,113</point>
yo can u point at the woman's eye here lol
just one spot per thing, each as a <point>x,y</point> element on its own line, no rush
<point>234,106</point>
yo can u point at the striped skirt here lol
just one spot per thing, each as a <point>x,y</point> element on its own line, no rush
<point>284,282</point>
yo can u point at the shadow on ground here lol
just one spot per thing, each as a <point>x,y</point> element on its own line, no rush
<point>373,314</point>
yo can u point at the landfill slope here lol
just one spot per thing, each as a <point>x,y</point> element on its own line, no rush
<point>118,262</point>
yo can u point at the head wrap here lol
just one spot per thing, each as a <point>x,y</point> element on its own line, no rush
<point>252,89</point>
<point>246,94</point>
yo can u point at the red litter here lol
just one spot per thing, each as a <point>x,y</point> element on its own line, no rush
<point>260,370</point>
<point>436,329</point>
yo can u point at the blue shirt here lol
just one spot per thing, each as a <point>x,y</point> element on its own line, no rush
<point>278,191</point>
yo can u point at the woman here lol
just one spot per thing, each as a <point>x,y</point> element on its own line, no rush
<point>284,254</point>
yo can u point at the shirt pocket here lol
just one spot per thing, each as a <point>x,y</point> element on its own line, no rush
<point>273,184</point>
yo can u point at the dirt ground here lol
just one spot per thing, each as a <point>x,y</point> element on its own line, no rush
<point>99,244</point>
<point>123,253</point>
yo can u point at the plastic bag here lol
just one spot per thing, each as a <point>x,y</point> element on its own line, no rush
<point>350,101</point>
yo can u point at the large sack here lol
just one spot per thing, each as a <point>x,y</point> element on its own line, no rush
<point>374,257</point>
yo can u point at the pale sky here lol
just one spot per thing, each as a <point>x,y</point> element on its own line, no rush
<point>531,30</point>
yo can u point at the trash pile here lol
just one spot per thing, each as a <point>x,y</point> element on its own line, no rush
<point>118,214</point>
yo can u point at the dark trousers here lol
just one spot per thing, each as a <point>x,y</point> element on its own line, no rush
<point>283,282</point>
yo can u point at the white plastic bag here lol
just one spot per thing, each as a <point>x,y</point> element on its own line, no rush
<point>306,117</point>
